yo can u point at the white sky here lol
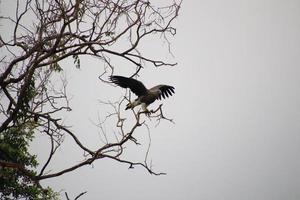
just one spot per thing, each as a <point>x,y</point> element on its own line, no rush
<point>236,108</point>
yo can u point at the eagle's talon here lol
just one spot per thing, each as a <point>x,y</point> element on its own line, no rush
<point>147,112</point>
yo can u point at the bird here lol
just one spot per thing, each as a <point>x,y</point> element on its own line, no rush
<point>144,96</point>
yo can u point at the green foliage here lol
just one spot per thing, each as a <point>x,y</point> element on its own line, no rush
<point>55,66</point>
<point>30,94</point>
<point>14,184</point>
<point>76,61</point>
<point>14,143</point>
<point>14,149</point>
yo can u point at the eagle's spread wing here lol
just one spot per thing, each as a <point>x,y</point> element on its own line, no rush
<point>165,90</point>
<point>135,86</point>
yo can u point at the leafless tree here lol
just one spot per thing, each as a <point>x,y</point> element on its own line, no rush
<point>45,32</point>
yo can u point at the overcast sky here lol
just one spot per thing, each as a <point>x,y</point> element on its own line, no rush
<point>236,109</point>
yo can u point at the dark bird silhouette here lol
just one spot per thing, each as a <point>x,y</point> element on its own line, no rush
<point>145,96</point>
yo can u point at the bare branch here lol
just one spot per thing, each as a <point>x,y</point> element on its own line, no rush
<point>33,100</point>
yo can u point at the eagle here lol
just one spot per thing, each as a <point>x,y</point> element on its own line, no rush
<point>144,96</point>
